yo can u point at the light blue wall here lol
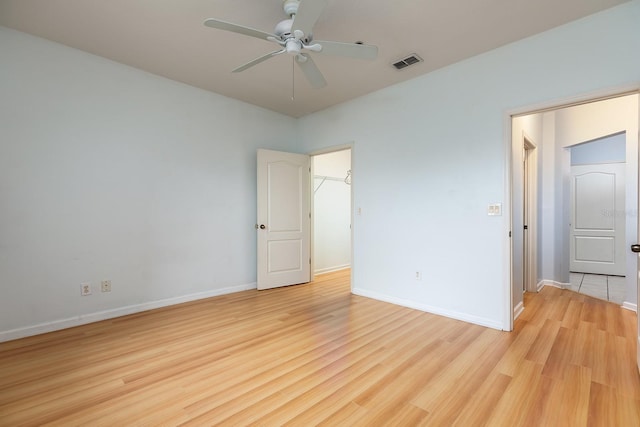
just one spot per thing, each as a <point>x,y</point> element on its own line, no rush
<point>108,172</point>
<point>610,149</point>
<point>430,155</point>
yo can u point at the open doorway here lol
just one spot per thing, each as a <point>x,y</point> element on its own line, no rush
<point>331,207</point>
<point>554,131</point>
<point>524,218</point>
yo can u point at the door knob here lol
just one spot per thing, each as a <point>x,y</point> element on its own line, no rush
<point>635,248</point>
<point>262,227</point>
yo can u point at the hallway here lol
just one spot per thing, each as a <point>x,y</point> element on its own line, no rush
<point>608,288</point>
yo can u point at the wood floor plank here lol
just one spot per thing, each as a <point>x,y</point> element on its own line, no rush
<point>518,398</point>
<point>482,402</point>
<point>541,347</point>
<point>315,354</point>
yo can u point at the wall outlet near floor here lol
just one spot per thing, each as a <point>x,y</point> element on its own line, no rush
<point>105,286</point>
<point>418,275</point>
<point>85,289</point>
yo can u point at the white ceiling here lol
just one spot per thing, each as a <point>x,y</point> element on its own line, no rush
<point>167,38</point>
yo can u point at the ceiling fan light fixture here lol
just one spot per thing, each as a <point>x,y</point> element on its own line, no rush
<point>293,46</point>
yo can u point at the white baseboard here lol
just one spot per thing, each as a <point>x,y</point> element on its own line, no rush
<point>630,306</point>
<point>331,269</point>
<point>476,320</point>
<point>555,284</point>
<point>517,310</point>
<point>540,285</point>
<point>83,319</point>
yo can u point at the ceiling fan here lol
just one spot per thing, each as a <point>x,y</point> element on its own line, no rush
<point>295,37</point>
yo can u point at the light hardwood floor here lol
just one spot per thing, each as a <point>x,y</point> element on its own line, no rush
<point>315,354</point>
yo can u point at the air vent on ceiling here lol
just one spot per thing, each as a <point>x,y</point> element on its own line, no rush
<point>405,62</point>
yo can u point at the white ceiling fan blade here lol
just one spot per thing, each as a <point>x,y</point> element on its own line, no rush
<point>308,13</point>
<point>258,60</point>
<point>240,29</point>
<point>352,50</point>
<point>311,71</point>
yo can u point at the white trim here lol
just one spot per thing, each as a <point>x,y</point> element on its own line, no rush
<point>332,149</point>
<point>571,101</point>
<point>555,284</point>
<point>332,269</point>
<point>630,306</point>
<point>532,204</point>
<point>83,319</point>
<point>507,247</point>
<point>540,285</point>
<point>517,311</point>
<point>489,323</point>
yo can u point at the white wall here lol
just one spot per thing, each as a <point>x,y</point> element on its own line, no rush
<point>331,212</point>
<point>431,154</point>
<point>108,172</point>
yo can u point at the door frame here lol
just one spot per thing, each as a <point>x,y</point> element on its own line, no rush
<point>508,116</point>
<point>530,255</point>
<point>332,149</point>
<point>523,218</point>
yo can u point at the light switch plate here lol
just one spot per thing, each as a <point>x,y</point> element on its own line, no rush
<point>494,209</point>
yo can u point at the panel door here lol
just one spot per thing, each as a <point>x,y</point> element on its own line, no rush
<point>283,222</point>
<point>597,240</point>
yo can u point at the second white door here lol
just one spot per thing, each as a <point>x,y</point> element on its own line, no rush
<point>597,240</point>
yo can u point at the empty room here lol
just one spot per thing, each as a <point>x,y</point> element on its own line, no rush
<point>317,212</point>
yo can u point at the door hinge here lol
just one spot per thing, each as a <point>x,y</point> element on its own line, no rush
<point>309,261</point>
<point>509,234</point>
<point>526,227</point>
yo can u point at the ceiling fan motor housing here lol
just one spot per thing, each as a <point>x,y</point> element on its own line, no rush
<point>283,29</point>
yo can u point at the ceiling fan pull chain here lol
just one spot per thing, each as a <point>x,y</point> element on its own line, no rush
<point>293,78</point>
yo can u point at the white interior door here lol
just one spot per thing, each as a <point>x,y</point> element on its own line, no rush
<point>597,232</point>
<point>638,279</point>
<point>283,224</point>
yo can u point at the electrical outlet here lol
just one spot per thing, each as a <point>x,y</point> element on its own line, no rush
<point>105,286</point>
<point>418,275</point>
<point>85,289</point>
